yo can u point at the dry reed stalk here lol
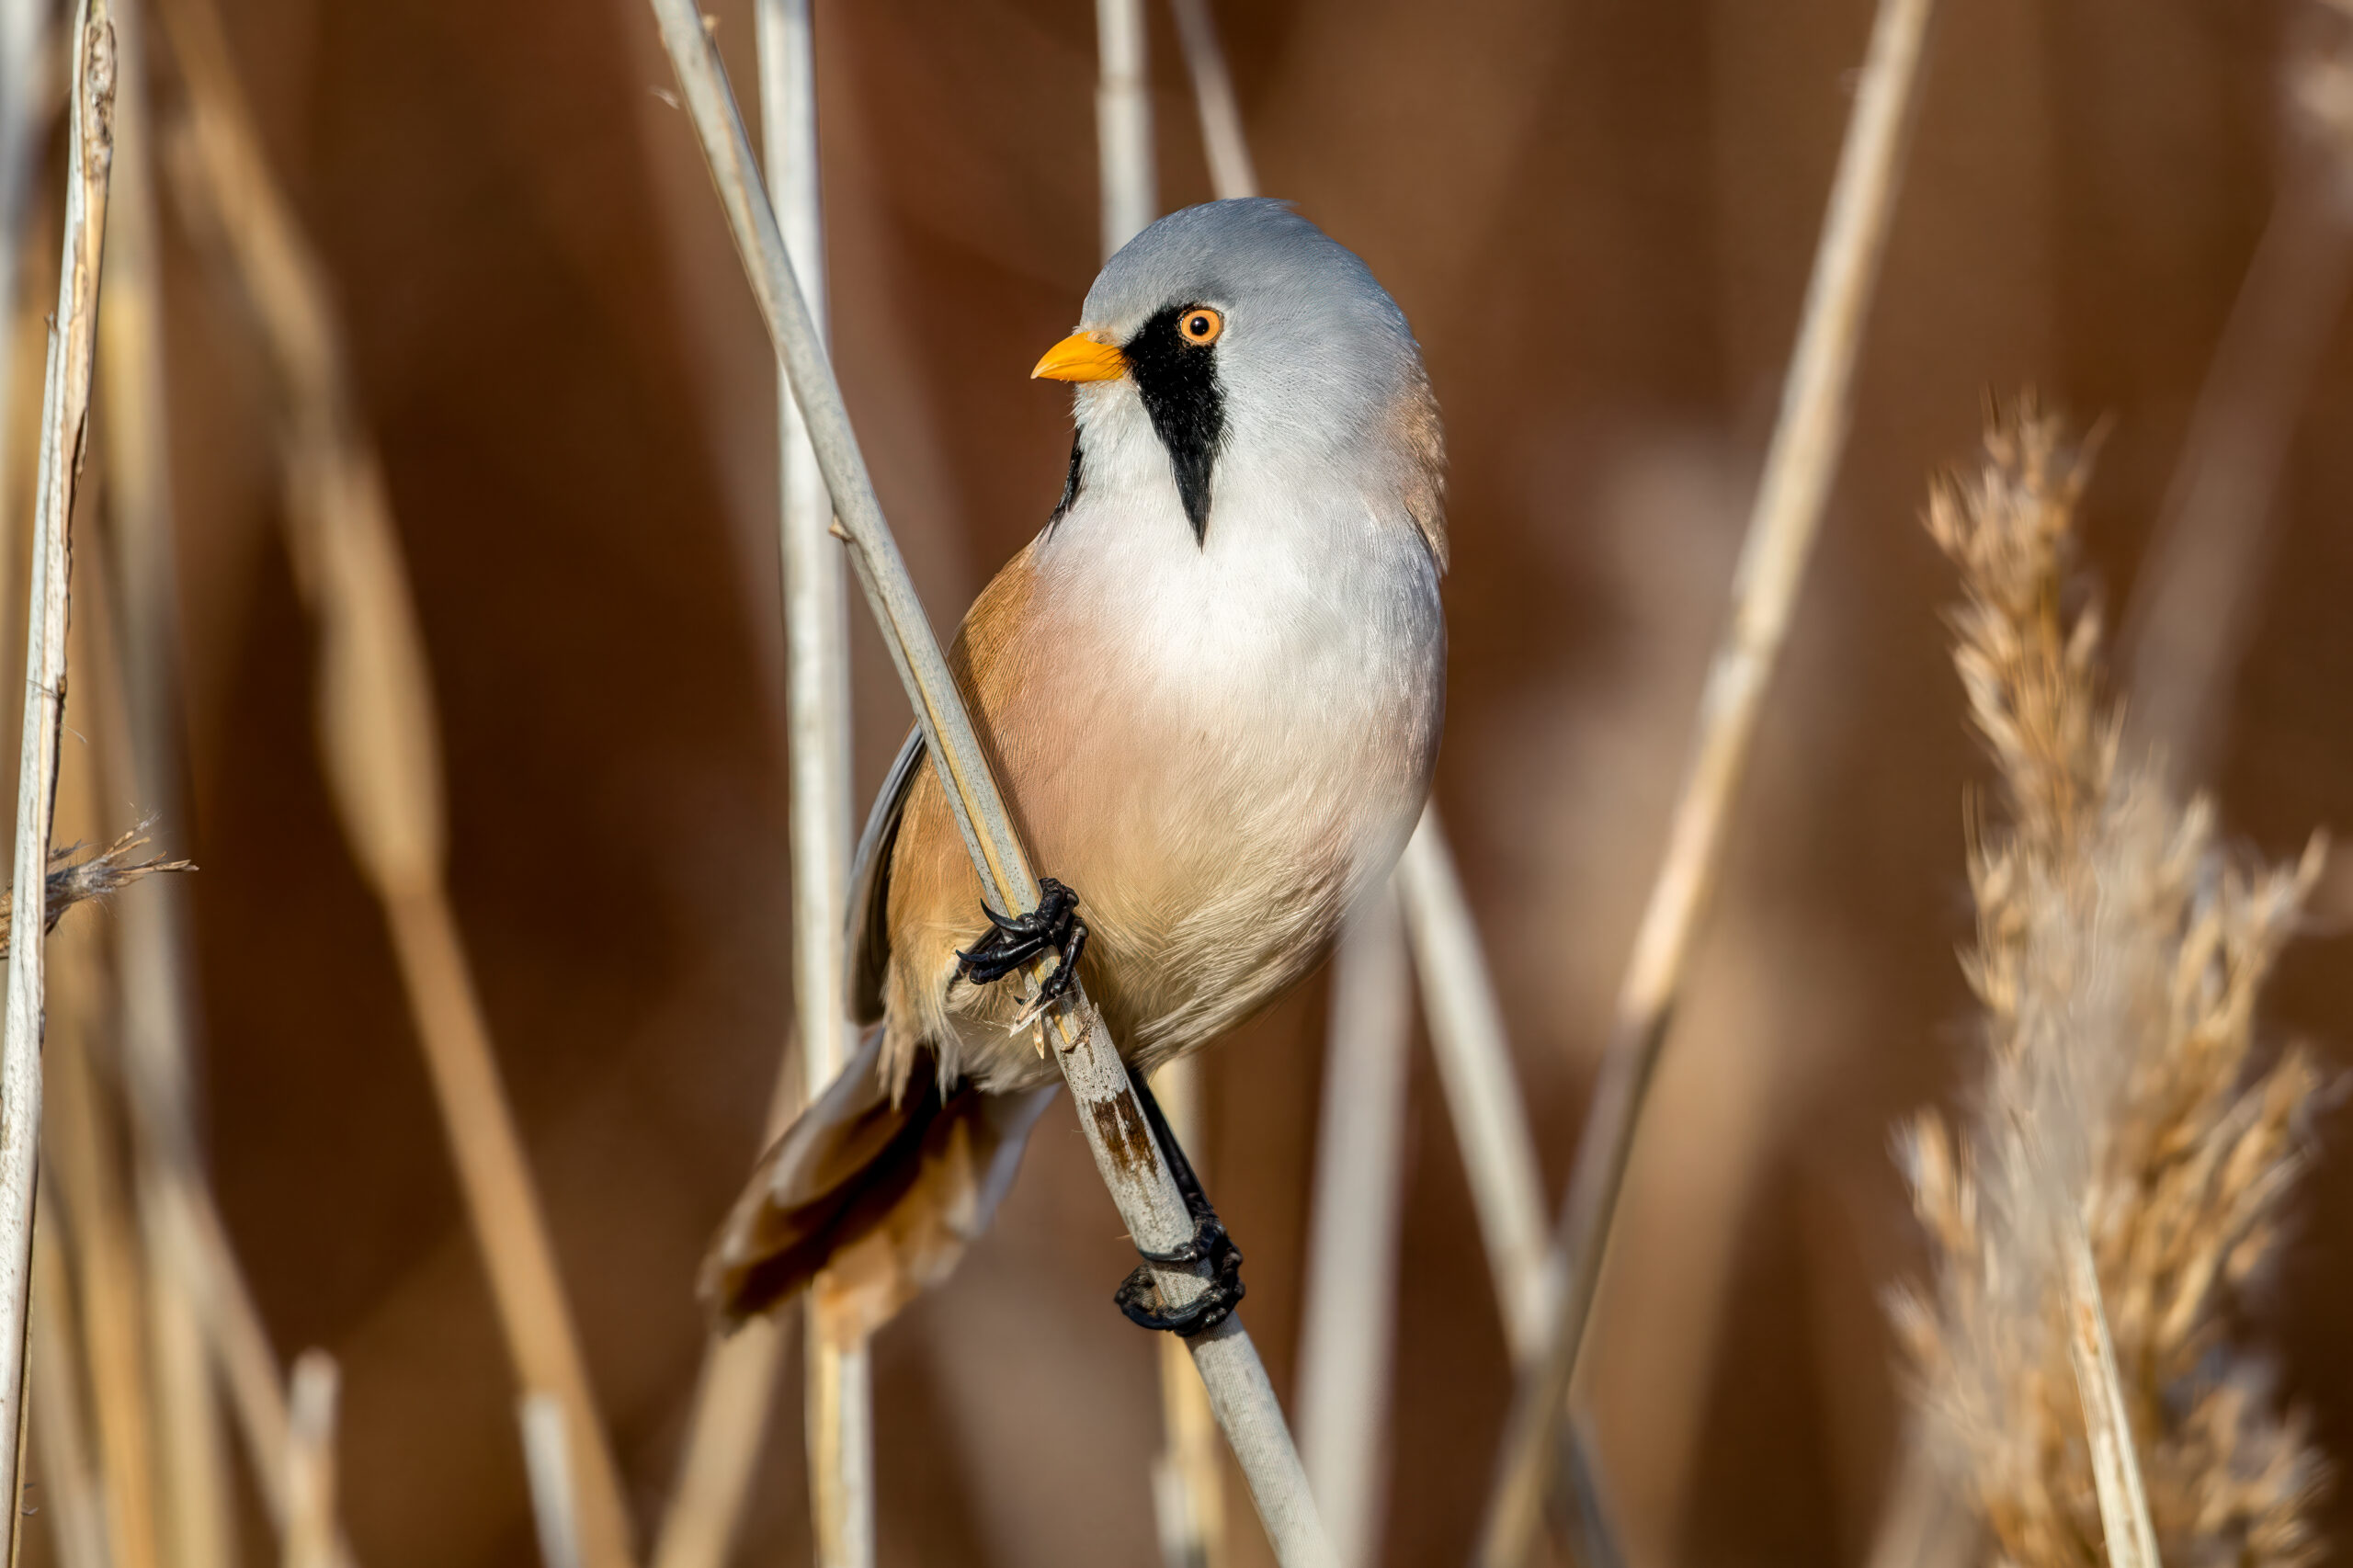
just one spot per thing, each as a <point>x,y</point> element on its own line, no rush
<point>1348,1329</point>
<point>24,27</point>
<point>1808,439</point>
<point>1123,121</point>
<point>64,427</point>
<point>1108,1116</point>
<point>2126,1165</point>
<point>547,1457</point>
<point>1231,172</point>
<point>74,1501</point>
<point>1481,1094</point>
<point>81,1162</point>
<point>140,699</point>
<point>737,1382</point>
<point>312,1397</point>
<point>838,1416</point>
<point>379,739</point>
<point>2192,620</point>
<point>1187,1481</point>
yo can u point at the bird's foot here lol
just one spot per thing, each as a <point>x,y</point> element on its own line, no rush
<point>1222,1290</point>
<point>1053,926</point>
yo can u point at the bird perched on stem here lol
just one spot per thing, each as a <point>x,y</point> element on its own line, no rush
<point>1211,688</point>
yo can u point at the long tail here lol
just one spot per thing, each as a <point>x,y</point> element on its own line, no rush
<point>872,1203</point>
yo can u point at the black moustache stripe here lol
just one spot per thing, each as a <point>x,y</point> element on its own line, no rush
<point>1073,484</point>
<point>1179,383</point>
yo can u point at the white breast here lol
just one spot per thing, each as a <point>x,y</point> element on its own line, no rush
<point>1266,702</point>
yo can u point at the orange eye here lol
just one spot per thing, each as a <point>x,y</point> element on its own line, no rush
<point>1200,325</point>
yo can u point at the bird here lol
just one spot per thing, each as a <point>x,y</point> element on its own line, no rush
<point>1211,690</point>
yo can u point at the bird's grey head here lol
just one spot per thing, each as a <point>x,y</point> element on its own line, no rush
<point>1244,335</point>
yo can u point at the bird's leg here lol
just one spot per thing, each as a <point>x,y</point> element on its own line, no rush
<point>1014,939</point>
<point>1222,1292</point>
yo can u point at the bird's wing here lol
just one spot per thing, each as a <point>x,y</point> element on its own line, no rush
<point>870,884</point>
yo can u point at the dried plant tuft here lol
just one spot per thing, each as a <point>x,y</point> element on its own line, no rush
<point>76,876</point>
<point>2119,953</point>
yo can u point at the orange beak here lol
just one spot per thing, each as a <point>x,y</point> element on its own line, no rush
<point>1081,357</point>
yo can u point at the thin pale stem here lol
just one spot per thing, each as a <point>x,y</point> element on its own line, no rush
<point>547,1460</point>
<point>24,25</point>
<point>734,1392</point>
<point>75,1492</point>
<point>1348,1324</point>
<point>1123,121</point>
<point>2125,1526</point>
<point>311,1540</point>
<point>65,405</point>
<point>1799,466</point>
<point>2193,616</point>
<point>1481,1093</point>
<point>1188,1487</point>
<point>79,1163</point>
<point>196,1502</point>
<point>1232,174</point>
<point>380,740</point>
<point>1108,1116</point>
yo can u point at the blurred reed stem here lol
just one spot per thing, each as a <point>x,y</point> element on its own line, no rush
<point>547,1460</point>
<point>1348,1329</point>
<point>2193,612</point>
<point>1231,172</point>
<point>196,1502</point>
<point>1481,1094</point>
<point>1103,1098</point>
<point>311,1398</point>
<point>739,1374</point>
<point>1188,1481</point>
<point>380,740</point>
<point>24,43</point>
<point>838,1397</point>
<point>80,1163</point>
<point>65,405</point>
<point>73,1495</point>
<point>1808,439</point>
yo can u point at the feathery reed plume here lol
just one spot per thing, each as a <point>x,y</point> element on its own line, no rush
<point>378,734</point>
<point>738,1379</point>
<point>310,1404</point>
<point>1808,437</point>
<point>1348,1322</point>
<point>64,426</point>
<point>2192,618</point>
<point>1135,1172</point>
<point>2126,1120</point>
<point>78,874</point>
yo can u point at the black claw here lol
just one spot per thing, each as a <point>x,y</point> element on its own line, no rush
<point>1052,927</point>
<point>1223,1290</point>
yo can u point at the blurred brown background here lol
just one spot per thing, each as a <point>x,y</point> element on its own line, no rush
<point>1598,217</point>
